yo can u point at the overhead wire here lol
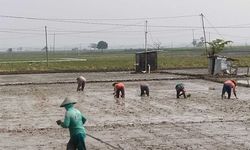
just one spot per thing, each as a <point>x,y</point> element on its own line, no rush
<point>96,23</point>
<point>116,26</point>
<point>120,25</point>
<point>16,32</point>
<point>244,37</point>
<point>68,21</point>
<point>214,28</point>
<point>100,19</point>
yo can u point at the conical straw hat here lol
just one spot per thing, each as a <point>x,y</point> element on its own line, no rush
<point>67,101</point>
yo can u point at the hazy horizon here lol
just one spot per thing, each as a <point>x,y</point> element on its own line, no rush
<point>121,23</point>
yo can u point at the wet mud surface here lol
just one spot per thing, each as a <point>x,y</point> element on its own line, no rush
<point>203,121</point>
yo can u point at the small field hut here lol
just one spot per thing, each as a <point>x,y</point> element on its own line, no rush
<point>220,65</point>
<point>148,59</point>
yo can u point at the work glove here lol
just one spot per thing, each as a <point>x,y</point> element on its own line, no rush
<point>59,122</point>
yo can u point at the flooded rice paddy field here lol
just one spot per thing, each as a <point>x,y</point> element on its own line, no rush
<point>203,121</point>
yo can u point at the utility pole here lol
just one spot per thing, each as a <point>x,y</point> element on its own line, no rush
<point>54,42</point>
<point>193,37</point>
<point>209,37</point>
<point>47,56</point>
<point>146,48</point>
<point>193,33</point>
<point>204,32</point>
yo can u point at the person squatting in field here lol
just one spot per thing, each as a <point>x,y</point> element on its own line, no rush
<point>144,89</point>
<point>180,90</point>
<point>227,87</point>
<point>119,89</point>
<point>74,120</point>
<point>81,83</point>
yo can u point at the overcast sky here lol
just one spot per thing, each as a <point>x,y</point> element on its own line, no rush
<point>121,23</point>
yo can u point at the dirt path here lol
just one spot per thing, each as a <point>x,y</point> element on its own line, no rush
<point>204,121</point>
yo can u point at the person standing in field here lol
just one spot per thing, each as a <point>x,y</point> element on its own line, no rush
<point>81,83</point>
<point>119,89</point>
<point>144,89</point>
<point>180,90</point>
<point>74,120</point>
<point>227,87</point>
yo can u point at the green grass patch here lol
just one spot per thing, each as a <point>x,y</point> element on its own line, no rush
<point>27,62</point>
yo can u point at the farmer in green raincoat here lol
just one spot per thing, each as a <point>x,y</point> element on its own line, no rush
<point>73,120</point>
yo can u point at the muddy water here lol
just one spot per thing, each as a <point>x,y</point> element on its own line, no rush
<point>203,121</point>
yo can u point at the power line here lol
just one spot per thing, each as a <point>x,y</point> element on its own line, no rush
<point>106,19</point>
<point>244,37</point>
<point>117,24</point>
<point>69,32</point>
<point>115,27</point>
<point>16,29</point>
<point>15,32</point>
<point>214,28</point>
<point>125,25</point>
<point>64,21</point>
<point>99,23</point>
<point>18,37</point>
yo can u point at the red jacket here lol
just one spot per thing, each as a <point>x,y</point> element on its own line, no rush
<point>119,86</point>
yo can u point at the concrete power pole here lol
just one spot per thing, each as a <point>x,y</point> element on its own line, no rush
<point>193,38</point>
<point>146,48</point>
<point>54,41</point>
<point>204,32</point>
<point>46,39</point>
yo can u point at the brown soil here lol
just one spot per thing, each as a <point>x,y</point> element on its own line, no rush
<point>203,121</point>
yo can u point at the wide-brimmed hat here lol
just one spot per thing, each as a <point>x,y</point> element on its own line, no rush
<point>67,101</point>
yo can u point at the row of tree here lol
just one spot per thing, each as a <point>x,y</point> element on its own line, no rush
<point>215,47</point>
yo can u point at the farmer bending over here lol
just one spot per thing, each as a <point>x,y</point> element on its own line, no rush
<point>180,90</point>
<point>119,88</point>
<point>81,83</point>
<point>144,89</point>
<point>227,87</point>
